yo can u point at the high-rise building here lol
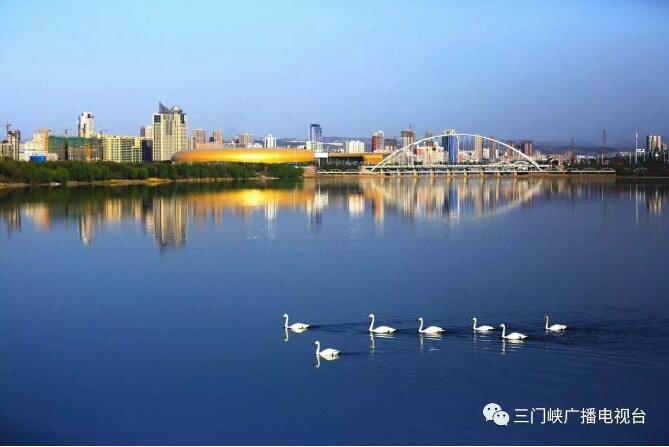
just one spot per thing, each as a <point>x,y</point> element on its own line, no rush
<point>38,142</point>
<point>354,146</point>
<point>146,132</point>
<point>170,132</point>
<point>408,137</point>
<point>269,141</point>
<point>508,152</point>
<point>10,147</point>
<point>217,135</point>
<point>200,136</point>
<point>315,138</point>
<point>377,141</point>
<point>245,140</point>
<point>430,142</point>
<point>653,143</point>
<point>492,150</point>
<point>86,125</point>
<point>478,148</point>
<point>451,145</point>
<point>118,148</point>
<point>390,144</point>
<point>527,148</point>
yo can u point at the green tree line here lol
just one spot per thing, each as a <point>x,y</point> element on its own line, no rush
<point>64,171</point>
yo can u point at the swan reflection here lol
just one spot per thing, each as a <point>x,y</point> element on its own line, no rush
<point>373,336</point>
<point>327,359</point>
<point>423,336</point>
<point>513,345</point>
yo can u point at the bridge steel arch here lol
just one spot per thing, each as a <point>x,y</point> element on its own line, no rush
<point>405,149</point>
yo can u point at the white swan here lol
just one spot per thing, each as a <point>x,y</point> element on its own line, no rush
<point>554,327</point>
<point>430,330</point>
<point>380,329</point>
<point>512,335</point>
<point>482,328</point>
<point>328,353</point>
<point>297,327</point>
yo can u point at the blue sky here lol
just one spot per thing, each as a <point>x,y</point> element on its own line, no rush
<point>548,70</point>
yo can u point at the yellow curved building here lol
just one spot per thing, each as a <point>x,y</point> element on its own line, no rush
<point>270,156</point>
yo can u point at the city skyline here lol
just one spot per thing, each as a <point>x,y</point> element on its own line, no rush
<point>539,81</point>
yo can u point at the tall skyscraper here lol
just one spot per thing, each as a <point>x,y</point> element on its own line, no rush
<point>653,143</point>
<point>377,141</point>
<point>528,148</point>
<point>408,136</point>
<point>170,132</point>
<point>148,132</point>
<point>390,144</point>
<point>245,140</point>
<point>451,146</point>
<point>430,142</point>
<point>86,125</point>
<point>218,137</point>
<point>492,150</point>
<point>269,141</point>
<point>508,152</point>
<point>316,137</point>
<point>200,136</point>
<point>10,146</point>
<point>478,148</point>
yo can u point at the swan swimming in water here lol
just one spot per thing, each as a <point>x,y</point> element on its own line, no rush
<point>482,328</point>
<point>512,335</point>
<point>380,329</point>
<point>430,330</point>
<point>297,327</point>
<point>328,353</point>
<point>554,327</point>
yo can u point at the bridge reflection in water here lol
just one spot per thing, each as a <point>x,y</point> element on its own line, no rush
<point>166,212</point>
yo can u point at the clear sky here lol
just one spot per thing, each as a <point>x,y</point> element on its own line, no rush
<point>548,70</point>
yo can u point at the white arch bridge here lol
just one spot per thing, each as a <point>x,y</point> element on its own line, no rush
<point>420,157</point>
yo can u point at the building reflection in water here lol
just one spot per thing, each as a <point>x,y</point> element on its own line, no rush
<point>167,215</point>
<point>170,217</point>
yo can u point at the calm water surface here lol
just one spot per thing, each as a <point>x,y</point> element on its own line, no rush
<point>153,314</point>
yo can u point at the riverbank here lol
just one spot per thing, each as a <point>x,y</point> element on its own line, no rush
<point>549,174</point>
<point>76,173</point>
<point>153,181</point>
<point>474,175</point>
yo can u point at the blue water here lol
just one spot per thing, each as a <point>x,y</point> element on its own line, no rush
<point>152,315</point>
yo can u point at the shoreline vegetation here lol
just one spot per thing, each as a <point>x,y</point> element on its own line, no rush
<point>77,173</point>
<point>100,173</point>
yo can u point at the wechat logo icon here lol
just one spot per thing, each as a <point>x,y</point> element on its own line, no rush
<point>493,412</point>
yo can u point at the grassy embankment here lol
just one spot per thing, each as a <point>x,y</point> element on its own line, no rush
<point>77,172</point>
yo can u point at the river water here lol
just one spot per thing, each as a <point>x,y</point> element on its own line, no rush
<point>152,315</point>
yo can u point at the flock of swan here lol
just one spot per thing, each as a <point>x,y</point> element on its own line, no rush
<point>331,353</point>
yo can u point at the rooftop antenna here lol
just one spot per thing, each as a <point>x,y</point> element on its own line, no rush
<point>636,146</point>
<point>604,138</point>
